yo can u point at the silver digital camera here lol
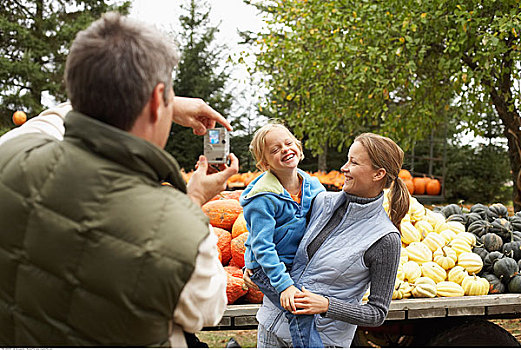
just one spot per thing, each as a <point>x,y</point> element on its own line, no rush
<point>217,146</point>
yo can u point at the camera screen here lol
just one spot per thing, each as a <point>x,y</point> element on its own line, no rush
<point>214,136</point>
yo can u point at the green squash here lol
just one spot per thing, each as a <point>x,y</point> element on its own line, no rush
<point>514,286</point>
<point>472,217</point>
<point>512,250</point>
<point>492,242</point>
<point>480,209</point>
<point>496,211</point>
<point>490,260</point>
<point>479,227</point>
<point>503,228</point>
<point>506,268</point>
<point>496,286</point>
<point>450,209</point>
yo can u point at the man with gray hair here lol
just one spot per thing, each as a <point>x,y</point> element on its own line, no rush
<point>94,250</point>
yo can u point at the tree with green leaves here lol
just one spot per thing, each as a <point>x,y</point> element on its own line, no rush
<point>34,39</point>
<point>397,67</point>
<point>201,73</point>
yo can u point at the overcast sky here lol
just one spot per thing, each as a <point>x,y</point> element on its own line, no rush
<point>229,16</point>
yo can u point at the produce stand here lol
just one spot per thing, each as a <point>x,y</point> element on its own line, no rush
<point>440,321</point>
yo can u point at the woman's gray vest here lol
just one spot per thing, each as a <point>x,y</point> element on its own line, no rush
<point>337,269</point>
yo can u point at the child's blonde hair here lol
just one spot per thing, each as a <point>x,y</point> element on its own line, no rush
<point>258,143</point>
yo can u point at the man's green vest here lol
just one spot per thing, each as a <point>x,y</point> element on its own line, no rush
<point>93,250</point>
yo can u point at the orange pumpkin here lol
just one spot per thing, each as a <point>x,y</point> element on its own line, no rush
<point>433,187</point>
<point>404,174</point>
<point>419,184</point>
<point>234,271</point>
<point>235,288</point>
<point>254,296</point>
<point>224,244</point>
<point>222,213</point>
<point>239,226</point>
<point>410,185</point>
<point>238,249</point>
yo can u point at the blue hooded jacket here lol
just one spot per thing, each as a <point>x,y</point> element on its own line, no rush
<point>276,224</point>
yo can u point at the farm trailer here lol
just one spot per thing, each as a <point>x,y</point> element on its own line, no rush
<point>436,322</point>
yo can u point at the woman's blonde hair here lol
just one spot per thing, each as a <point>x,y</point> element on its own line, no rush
<point>385,153</point>
<point>258,143</point>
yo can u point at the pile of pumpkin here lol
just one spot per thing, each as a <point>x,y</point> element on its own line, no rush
<point>498,242</point>
<point>226,217</point>
<point>447,253</point>
<point>420,185</point>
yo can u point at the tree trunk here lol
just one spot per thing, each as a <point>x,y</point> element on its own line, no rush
<point>322,159</point>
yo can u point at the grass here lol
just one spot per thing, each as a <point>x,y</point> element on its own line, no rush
<point>219,339</point>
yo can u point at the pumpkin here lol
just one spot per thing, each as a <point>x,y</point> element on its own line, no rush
<point>442,226</point>
<point>448,235</point>
<point>404,174</point>
<point>228,194</point>
<point>515,221</point>
<point>434,217</point>
<point>461,218</point>
<point>506,268</point>
<point>449,289</point>
<point>446,257</point>
<point>457,274</point>
<point>433,271</point>
<point>470,238</point>
<point>424,227</point>
<point>512,249</point>
<point>496,286</point>
<point>502,227</point>
<point>235,288</point>
<point>450,209</point>
<point>514,286</point>
<point>409,233</point>
<point>490,260</point>
<point>234,271</point>
<point>416,210</point>
<point>471,218</point>
<point>419,252</point>
<point>479,227</point>
<point>224,239</point>
<point>471,262</point>
<point>239,226</point>
<point>424,287</point>
<point>222,213</point>
<point>419,185</point>
<point>460,245</point>
<point>455,226</point>
<point>411,271</point>
<point>474,285</point>
<point>434,240</point>
<point>238,249</point>
<point>480,209</point>
<point>254,296</point>
<point>410,185</point>
<point>401,290</point>
<point>482,252</point>
<point>492,242</point>
<point>497,210</point>
<point>433,187</point>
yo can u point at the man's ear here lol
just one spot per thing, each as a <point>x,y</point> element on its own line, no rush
<point>156,101</point>
<point>380,174</point>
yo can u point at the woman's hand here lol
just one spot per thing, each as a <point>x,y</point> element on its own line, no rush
<point>309,303</point>
<point>196,114</point>
<point>247,280</point>
<point>287,298</point>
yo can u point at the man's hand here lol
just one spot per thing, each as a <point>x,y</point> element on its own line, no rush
<point>196,114</point>
<point>309,303</point>
<point>206,182</point>
<point>287,298</point>
<point>246,277</point>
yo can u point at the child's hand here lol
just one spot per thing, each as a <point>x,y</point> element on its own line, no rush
<point>287,298</point>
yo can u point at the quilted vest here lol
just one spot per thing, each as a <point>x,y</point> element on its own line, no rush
<point>337,269</point>
<point>93,250</point>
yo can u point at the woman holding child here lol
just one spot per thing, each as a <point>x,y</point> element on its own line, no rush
<point>350,243</point>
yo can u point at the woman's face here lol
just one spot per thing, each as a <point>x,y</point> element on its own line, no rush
<point>361,179</point>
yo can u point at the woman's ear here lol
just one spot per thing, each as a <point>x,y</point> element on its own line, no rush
<point>379,175</point>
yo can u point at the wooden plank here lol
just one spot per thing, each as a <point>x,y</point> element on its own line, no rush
<point>242,310</point>
<point>466,311</point>
<point>426,313</point>
<point>395,315</point>
<point>225,322</point>
<point>245,321</point>
<point>500,310</point>
<point>456,302</point>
